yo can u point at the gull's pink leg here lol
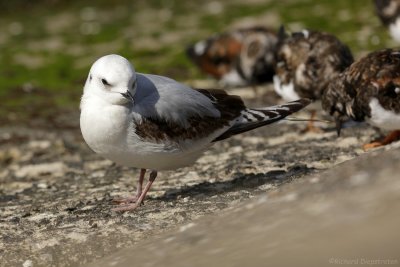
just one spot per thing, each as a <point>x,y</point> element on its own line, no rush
<point>134,198</point>
<point>133,206</point>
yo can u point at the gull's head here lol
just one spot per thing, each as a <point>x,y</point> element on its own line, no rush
<point>113,79</point>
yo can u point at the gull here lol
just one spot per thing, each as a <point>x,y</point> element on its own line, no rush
<point>155,123</point>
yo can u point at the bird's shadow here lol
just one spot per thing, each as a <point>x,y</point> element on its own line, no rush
<point>240,182</point>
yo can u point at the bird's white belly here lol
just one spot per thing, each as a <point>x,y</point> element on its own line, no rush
<point>156,160</point>
<point>232,78</point>
<point>383,118</point>
<point>394,29</point>
<point>162,155</point>
<point>286,91</point>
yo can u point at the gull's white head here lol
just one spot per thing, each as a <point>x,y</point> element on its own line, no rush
<point>113,79</point>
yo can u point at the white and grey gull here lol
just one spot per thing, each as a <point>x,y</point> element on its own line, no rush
<point>155,123</point>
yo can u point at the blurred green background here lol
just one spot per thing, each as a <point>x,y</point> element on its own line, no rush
<point>47,46</point>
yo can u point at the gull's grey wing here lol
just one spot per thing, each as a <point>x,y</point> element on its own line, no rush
<point>159,97</point>
<point>170,111</point>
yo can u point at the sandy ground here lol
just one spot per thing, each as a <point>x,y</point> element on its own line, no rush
<point>55,194</point>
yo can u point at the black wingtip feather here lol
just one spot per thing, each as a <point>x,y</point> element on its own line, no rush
<point>303,102</point>
<point>272,114</point>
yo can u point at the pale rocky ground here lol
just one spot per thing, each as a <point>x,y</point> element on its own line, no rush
<point>348,215</point>
<point>55,193</point>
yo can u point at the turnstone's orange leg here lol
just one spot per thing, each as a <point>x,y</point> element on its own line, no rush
<point>134,198</point>
<point>311,128</point>
<point>391,137</point>
<point>133,206</point>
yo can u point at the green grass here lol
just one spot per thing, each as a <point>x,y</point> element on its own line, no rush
<point>125,27</point>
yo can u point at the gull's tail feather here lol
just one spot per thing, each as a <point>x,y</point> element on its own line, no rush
<point>257,117</point>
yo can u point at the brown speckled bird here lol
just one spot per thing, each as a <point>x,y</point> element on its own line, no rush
<point>306,62</point>
<point>369,90</point>
<point>237,58</point>
<point>389,13</point>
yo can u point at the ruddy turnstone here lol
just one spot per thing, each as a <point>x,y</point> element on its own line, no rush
<point>306,62</point>
<point>369,90</point>
<point>239,57</point>
<point>156,123</point>
<point>389,13</point>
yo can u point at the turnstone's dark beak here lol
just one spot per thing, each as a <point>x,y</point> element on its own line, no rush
<point>193,55</point>
<point>338,126</point>
<point>128,95</point>
<point>282,34</point>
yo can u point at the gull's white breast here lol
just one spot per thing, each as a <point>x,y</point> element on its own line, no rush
<point>103,126</point>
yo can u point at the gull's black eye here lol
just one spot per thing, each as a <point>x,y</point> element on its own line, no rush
<point>104,81</point>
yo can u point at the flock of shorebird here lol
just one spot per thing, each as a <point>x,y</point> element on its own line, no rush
<point>155,123</point>
<point>314,65</point>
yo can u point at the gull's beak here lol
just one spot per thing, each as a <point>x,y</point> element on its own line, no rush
<point>128,95</point>
<point>338,126</point>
